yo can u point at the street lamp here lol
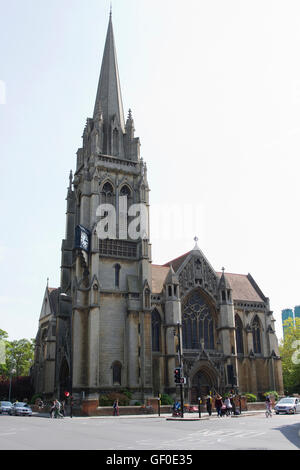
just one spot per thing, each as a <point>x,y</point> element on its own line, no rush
<point>13,371</point>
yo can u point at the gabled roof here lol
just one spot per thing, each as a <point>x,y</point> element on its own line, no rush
<point>243,288</point>
<point>50,302</point>
<point>159,274</point>
<point>177,262</point>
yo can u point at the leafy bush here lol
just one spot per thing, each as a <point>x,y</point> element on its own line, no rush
<point>108,400</point>
<point>137,403</point>
<point>166,399</point>
<point>127,393</point>
<point>35,397</point>
<point>272,393</point>
<point>251,397</point>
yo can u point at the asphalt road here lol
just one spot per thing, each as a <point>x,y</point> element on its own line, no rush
<point>150,433</point>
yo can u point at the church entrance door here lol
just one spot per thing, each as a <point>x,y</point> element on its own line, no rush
<point>202,384</point>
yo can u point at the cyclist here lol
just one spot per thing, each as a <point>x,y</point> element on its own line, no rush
<point>268,406</point>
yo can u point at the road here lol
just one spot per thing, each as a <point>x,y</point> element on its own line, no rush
<point>150,433</point>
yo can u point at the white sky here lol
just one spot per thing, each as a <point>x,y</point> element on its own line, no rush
<point>214,87</point>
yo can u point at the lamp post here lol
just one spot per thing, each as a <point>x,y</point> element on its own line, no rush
<point>13,371</point>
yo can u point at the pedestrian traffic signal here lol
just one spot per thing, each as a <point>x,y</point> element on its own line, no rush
<point>67,394</point>
<point>177,375</point>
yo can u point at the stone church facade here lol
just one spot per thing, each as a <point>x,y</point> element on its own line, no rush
<point>113,323</point>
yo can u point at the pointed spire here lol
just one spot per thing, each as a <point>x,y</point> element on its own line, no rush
<point>224,282</point>
<point>109,98</point>
<point>171,278</point>
<point>196,247</point>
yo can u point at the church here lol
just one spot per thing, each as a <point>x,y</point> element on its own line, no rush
<point>117,321</point>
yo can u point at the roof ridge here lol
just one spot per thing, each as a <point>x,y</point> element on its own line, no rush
<point>178,257</point>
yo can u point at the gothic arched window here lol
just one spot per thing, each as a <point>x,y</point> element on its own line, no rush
<point>125,191</point>
<point>107,194</point>
<point>117,369</point>
<point>155,323</point>
<point>256,333</point>
<point>198,323</point>
<point>239,335</point>
<point>124,206</point>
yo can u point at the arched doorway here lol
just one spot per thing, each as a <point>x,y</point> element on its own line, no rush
<point>202,383</point>
<point>64,378</point>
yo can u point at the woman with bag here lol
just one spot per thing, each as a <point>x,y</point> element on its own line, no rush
<point>218,405</point>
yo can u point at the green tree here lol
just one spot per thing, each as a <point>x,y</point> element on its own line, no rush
<point>19,355</point>
<point>290,356</point>
<point>3,353</point>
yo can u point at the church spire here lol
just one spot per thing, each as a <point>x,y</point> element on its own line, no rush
<point>109,98</point>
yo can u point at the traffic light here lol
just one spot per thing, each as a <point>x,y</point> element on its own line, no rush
<point>177,375</point>
<point>67,394</point>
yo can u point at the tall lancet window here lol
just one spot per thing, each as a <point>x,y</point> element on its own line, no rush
<point>155,331</point>
<point>117,275</point>
<point>256,333</point>
<point>239,335</point>
<point>107,194</point>
<point>125,192</point>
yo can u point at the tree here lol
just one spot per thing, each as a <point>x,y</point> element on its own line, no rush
<point>3,353</point>
<point>19,355</point>
<point>290,356</point>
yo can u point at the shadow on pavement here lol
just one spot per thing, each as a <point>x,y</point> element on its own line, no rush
<point>291,432</point>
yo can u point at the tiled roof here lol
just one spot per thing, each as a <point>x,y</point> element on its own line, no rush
<point>242,289</point>
<point>177,262</point>
<point>53,298</point>
<point>159,274</point>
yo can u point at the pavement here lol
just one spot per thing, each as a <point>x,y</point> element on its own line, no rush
<point>167,416</point>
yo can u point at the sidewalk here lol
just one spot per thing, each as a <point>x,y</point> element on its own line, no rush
<point>167,416</point>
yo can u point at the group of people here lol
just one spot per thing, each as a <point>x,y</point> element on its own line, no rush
<point>57,409</point>
<point>224,407</point>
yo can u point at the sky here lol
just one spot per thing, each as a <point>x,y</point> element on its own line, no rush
<point>214,89</point>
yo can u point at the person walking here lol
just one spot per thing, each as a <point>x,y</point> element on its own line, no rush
<point>116,407</point>
<point>232,397</point>
<point>228,405</point>
<point>209,404</point>
<point>52,409</point>
<point>57,413</point>
<point>62,408</point>
<point>218,405</point>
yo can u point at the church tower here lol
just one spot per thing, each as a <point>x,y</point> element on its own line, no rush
<point>108,273</point>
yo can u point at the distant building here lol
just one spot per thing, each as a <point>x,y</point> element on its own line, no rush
<point>297,312</point>
<point>289,313</point>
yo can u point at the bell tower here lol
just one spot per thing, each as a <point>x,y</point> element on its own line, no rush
<point>111,273</point>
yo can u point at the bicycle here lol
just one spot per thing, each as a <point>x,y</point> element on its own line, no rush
<point>268,413</point>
